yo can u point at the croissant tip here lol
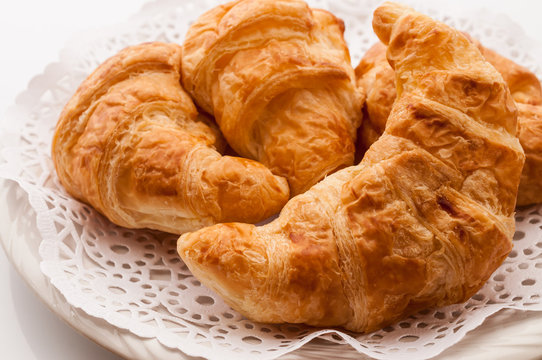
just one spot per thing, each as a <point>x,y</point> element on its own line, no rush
<point>385,16</point>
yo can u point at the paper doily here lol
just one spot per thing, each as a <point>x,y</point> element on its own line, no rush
<point>134,279</point>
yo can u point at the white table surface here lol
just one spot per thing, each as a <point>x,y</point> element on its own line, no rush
<point>32,33</point>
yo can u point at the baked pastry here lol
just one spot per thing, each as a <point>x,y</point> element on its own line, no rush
<point>527,93</point>
<point>377,78</point>
<point>277,77</point>
<point>422,221</point>
<point>530,137</point>
<point>131,143</point>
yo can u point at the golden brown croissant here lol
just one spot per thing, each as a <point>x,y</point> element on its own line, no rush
<point>131,143</point>
<point>377,78</point>
<point>277,77</point>
<point>422,221</point>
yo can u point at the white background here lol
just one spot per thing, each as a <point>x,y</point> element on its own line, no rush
<point>32,33</point>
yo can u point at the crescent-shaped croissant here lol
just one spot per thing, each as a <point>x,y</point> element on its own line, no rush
<point>377,78</point>
<point>131,143</point>
<point>422,221</point>
<point>277,77</point>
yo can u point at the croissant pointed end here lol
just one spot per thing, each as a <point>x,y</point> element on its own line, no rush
<point>225,258</point>
<point>216,246</point>
<point>385,16</point>
<point>247,190</point>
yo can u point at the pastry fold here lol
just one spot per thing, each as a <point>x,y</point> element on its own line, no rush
<point>277,77</point>
<point>422,221</point>
<point>377,78</point>
<point>131,143</point>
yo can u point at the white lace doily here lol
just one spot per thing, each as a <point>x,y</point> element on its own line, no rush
<point>134,279</point>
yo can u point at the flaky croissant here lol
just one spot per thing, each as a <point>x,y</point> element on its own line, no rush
<point>422,221</point>
<point>377,78</point>
<point>131,143</point>
<point>277,77</point>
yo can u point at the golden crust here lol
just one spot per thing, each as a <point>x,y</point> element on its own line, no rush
<point>422,221</point>
<point>523,84</point>
<point>530,137</point>
<point>377,78</point>
<point>131,143</point>
<point>277,77</point>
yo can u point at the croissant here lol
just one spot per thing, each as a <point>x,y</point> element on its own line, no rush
<point>277,77</point>
<point>422,221</point>
<point>131,143</point>
<point>375,75</point>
